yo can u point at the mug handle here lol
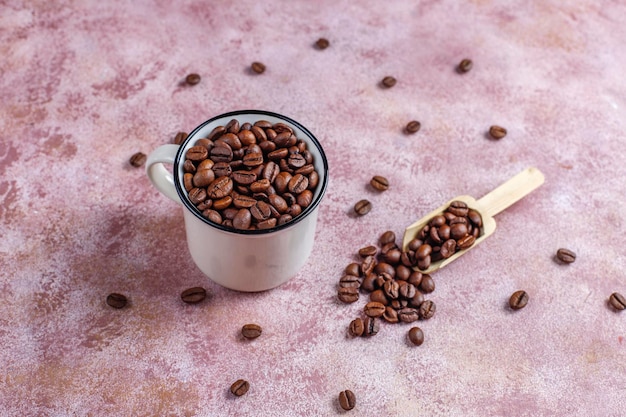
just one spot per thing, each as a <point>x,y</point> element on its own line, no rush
<point>160,177</point>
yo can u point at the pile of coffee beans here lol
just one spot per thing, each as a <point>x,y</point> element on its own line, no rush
<point>396,291</point>
<point>453,230</point>
<point>250,176</point>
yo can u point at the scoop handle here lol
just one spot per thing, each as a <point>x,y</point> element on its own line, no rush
<point>511,191</point>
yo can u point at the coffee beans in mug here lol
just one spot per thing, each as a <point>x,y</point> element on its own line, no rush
<point>617,301</point>
<point>362,207</point>
<point>116,300</point>
<point>347,400</point>
<point>251,331</point>
<point>416,336</point>
<point>518,300</point>
<point>497,132</point>
<point>239,387</point>
<point>193,295</point>
<point>379,183</point>
<point>192,79</point>
<point>138,159</point>
<point>565,256</point>
<point>388,82</point>
<point>258,67</point>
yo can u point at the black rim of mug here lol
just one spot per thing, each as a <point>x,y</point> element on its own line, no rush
<point>305,213</point>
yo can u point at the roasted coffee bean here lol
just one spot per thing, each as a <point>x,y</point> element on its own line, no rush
<point>458,230</point>
<point>221,153</point>
<point>390,315</point>
<point>222,203</point>
<point>362,207</point>
<point>213,216</point>
<point>385,268</point>
<point>617,301</point>
<point>266,224</point>
<point>414,244</point>
<point>322,43</point>
<point>466,241</point>
<point>189,167</point>
<point>371,327</point>
<point>305,198</point>
<point>193,295</point>
<point>247,138</point>
<point>285,218</point>
<point>244,177</point>
<point>398,304</point>
<point>497,132</point>
<point>231,140</point>
<point>138,159</point>
<point>232,126</point>
<point>242,220</point>
<point>192,79</point>
<point>282,181</point>
<point>347,400</point>
<point>413,126</point>
<point>239,387</point>
<point>188,181</point>
<point>388,237</point>
<point>196,153</point>
<point>416,336</point>
<point>374,309</point>
<point>368,283</point>
<point>258,67</point>
<point>222,169</point>
<point>403,272</point>
<point>417,300</point>
<point>379,183</point>
<point>391,289</point>
<point>379,297</point>
<point>220,187</point>
<point>298,183</point>
<point>427,310</point>
<point>356,327</point>
<point>350,281</point>
<point>408,315</point>
<point>518,300</point>
<point>251,331</point>
<point>368,265</point>
<point>423,251</point>
<point>388,81</point>
<point>465,65</point>
<point>458,208</point>
<point>448,248</point>
<point>353,269</point>
<point>203,178</point>
<point>368,251</point>
<point>475,217</point>
<point>116,300</point>
<point>393,256</point>
<point>424,263</point>
<point>294,210</point>
<point>180,137</point>
<point>348,294</point>
<point>253,159</point>
<point>197,195</point>
<point>415,278</point>
<point>566,256</point>
<point>260,210</point>
<point>427,285</point>
<point>260,186</point>
<point>406,290</point>
<point>244,201</point>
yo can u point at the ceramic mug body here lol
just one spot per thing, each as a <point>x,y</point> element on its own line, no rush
<point>243,260</point>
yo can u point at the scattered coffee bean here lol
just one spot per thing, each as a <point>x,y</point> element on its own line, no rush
<point>374,309</point>
<point>388,237</point>
<point>413,126</point>
<point>251,331</point>
<point>566,256</point>
<point>322,43</point>
<point>347,400</point>
<point>356,328</point>
<point>497,132</point>
<point>416,336</point>
<point>370,327</point>
<point>465,65</point>
<point>239,387</point>
<point>180,137</point>
<point>617,301</point>
<point>192,79</point>
<point>362,207</point>
<point>427,310</point>
<point>258,67</point>
<point>379,183</point>
<point>388,82</point>
<point>518,300</point>
<point>138,159</point>
<point>116,300</point>
<point>193,295</point>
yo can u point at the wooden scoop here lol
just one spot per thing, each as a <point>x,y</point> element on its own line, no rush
<point>491,204</point>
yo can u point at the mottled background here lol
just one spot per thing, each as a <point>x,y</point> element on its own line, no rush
<point>86,84</point>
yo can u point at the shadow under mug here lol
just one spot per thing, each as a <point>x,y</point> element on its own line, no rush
<point>242,260</point>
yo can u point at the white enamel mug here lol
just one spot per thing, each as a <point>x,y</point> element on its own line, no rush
<point>242,260</point>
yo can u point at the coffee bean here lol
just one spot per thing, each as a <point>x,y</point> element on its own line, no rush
<point>408,315</point>
<point>116,300</point>
<point>466,241</point>
<point>350,281</point>
<point>251,331</point>
<point>348,294</point>
<point>374,309</point>
<point>416,336</point>
<point>242,220</point>
<point>465,65</point>
<point>368,251</point>
<point>427,285</point>
<point>258,67</point>
<point>347,400</point>
<point>413,126</point>
<point>353,269</point>
<point>407,291</point>
<point>617,301</point>
<point>391,315</point>
<point>566,256</point>
<point>180,137</point>
<point>322,43</point>
<point>427,310</point>
<point>497,132</point>
<point>192,79</point>
<point>518,300</point>
<point>448,248</point>
<point>388,81</point>
<point>370,327</point>
<point>239,387</point>
<point>298,183</point>
<point>388,237</point>
<point>356,328</point>
<point>138,159</point>
<point>379,183</point>
<point>362,207</point>
<point>193,295</point>
<point>197,195</point>
<point>197,153</point>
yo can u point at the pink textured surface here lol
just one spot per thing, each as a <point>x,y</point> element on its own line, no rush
<point>85,84</point>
